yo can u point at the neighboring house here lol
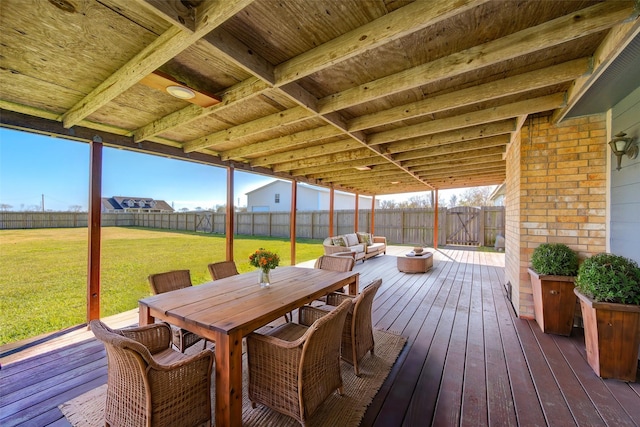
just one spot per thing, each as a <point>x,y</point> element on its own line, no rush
<point>497,197</point>
<point>276,197</point>
<point>134,204</point>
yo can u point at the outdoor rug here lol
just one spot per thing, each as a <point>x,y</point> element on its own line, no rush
<point>87,410</point>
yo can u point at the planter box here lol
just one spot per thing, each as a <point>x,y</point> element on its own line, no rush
<point>612,336</point>
<point>554,302</point>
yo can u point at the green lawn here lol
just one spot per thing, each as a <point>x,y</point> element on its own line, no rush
<point>43,272</point>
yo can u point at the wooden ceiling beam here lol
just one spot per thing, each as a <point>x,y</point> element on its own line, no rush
<point>444,163</point>
<point>315,150</point>
<point>282,143</point>
<point>397,24</point>
<point>461,147</point>
<point>502,112</point>
<point>280,118</point>
<point>587,21</point>
<point>465,155</point>
<point>323,168</point>
<point>520,83</point>
<point>164,48</point>
<point>242,91</point>
<point>454,136</point>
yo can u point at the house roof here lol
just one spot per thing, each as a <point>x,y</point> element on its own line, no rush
<point>426,94</point>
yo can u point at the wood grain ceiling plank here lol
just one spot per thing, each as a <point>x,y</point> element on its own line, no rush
<point>372,160</point>
<point>445,162</point>
<point>503,112</point>
<point>280,118</point>
<point>406,20</point>
<point>241,92</point>
<point>165,47</point>
<point>587,21</point>
<point>520,83</point>
<point>452,158</point>
<point>290,141</point>
<point>454,136</point>
<point>475,144</point>
<point>316,150</point>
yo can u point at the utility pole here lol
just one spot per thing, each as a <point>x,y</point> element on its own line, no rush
<point>43,203</point>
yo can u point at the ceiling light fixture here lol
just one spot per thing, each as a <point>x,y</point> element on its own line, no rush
<point>180,92</point>
<point>167,84</point>
<point>395,182</point>
<point>622,144</point>
<point>363,168</point>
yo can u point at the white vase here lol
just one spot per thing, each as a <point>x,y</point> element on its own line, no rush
<point>264,277</point>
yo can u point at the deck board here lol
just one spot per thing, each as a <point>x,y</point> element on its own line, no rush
<point>468,360</point>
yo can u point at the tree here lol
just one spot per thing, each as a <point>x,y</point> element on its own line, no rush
<point>388,204</point>
<point>477,196</point>
<point>5,207</point>
<point>75,208</point>
<point>453,200</point>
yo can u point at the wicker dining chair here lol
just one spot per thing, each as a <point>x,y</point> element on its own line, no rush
<point>222,269</point>
<point>335,263</point>
<point>149,383</point>
<point>293,368</point>
<point>171,281</point>
<point>357,334</point>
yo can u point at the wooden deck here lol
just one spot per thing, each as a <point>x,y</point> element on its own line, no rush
<point>468,359</point>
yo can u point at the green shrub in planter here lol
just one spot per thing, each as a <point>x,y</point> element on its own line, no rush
<point>555,259</point>
<point>610,278</point>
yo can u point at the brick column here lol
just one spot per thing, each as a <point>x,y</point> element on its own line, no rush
<point>556,193</point>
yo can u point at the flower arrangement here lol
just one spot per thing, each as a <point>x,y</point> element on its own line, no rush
<point>264,259</point>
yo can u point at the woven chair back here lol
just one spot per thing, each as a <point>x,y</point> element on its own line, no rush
<point>222,269</point>
<point>334,263</point>
<point>320,367</point>
<point>169,281</point>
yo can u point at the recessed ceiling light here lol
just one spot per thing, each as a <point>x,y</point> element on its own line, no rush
<point>395,182</point>
<point>181,92</point>
<point>363,168</point>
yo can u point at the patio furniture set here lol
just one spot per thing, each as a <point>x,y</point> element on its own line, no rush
<point>296,363</point>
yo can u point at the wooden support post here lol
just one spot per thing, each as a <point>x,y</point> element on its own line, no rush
<point>292,222</point>
<point>373,214</point>
<point>229,226</point>
<point>331,195</point>
<point>435,222</point>
<point>93,261</point>
<point>356,219</point>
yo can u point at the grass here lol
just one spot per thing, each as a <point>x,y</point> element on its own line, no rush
<point>43,272</point>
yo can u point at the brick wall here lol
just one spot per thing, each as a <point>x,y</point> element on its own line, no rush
<point>556,182</point>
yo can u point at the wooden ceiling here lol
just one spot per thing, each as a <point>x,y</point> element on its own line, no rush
<point>425,94</point>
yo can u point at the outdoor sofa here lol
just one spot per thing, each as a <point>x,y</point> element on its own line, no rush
<point>362,246</point>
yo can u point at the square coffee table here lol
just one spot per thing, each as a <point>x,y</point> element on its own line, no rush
<point>415,264</point>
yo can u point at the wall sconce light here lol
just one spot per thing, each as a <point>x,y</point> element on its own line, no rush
<point>622,144</point>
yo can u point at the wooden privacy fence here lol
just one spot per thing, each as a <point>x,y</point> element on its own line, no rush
<point>460,225</point>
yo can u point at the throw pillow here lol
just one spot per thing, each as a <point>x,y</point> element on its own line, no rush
<point>365,238</point>
<point>338,241</point>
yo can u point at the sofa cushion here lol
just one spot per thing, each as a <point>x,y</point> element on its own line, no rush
<point>357,248</point>
<point>375,247</point>
<point>339,241</point>
<point>365,238</point>
<point>352,239</point>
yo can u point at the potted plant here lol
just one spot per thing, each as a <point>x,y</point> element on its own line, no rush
<point>608,287</point>
<point>552,272</point>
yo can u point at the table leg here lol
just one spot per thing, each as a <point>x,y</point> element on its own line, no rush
<point>353,286</point>
<point>144,317</point>
<point>228,399</point>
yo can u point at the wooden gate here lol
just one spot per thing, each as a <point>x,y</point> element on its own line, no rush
<point>463,226</point>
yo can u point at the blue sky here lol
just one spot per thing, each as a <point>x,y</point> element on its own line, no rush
<point>33,165</point>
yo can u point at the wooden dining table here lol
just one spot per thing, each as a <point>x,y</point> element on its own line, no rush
<point>226,310</point>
